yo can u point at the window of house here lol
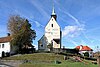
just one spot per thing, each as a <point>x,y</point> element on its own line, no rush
<point>51,25</point>
<point>2,45</point>
<point>90,52</point>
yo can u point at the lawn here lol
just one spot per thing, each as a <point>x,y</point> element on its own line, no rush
<point>36,56</point>
<point>48,60</point>
<point>63,64</point>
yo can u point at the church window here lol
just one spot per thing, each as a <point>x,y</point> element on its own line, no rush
<point>42,45</point>
<point>2,45</point>
<point>51,25</point>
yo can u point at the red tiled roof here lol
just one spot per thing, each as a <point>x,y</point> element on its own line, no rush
<point>5,39</point>
<point>84,48</point>
<point>78,47</point>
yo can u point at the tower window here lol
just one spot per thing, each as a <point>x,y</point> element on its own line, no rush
<point>51,25</point>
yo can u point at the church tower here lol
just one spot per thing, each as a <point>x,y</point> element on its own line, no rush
<point>52,34</point>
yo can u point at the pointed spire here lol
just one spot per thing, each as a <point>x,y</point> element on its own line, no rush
<point>53,11</point>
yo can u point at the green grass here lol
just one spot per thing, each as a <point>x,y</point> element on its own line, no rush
<point>63,64</point>
<point>36,56</point>
<point>48,60</point>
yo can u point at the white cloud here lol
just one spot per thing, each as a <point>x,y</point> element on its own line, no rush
<point>38,24</point>
<point>72,31</point>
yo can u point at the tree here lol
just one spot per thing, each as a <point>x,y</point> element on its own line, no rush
<point>21,32</point>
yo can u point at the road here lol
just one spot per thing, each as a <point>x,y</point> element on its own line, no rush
<point>9,63</point>
<point>5,65</point>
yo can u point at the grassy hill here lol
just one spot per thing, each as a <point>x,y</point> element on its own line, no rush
<point>49,60</point>
<point>37,56</point>
<point>63,64</point>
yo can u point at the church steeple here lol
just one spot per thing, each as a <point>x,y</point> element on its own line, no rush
<point>53,13</point>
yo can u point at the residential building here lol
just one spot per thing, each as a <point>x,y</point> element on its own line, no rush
<point>5,47</point>
<point>84,49</point>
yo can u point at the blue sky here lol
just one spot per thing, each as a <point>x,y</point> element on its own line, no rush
<point>79,19</point>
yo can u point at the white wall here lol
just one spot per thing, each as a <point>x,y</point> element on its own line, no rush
<point>5,49</point>
<point>90,53</point>
<point>52,32</point>
<point>43,41</point>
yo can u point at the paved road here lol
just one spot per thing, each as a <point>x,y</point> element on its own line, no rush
<point>5,65</point>
<point>9,63</point>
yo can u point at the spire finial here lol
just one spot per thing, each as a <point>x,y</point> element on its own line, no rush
<point>53,10</point>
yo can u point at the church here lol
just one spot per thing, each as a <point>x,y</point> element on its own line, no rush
<point>52,34</point>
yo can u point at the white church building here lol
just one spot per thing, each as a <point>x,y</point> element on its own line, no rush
<point>52,34</point>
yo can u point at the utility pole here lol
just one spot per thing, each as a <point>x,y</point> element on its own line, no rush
<point>98,57</point>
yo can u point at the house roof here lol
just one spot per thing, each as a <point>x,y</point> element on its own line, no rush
<point>84,48</point>
<point>5,39</point>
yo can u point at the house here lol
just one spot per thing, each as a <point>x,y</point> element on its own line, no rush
<point>83,49</point>
<point>52,35</point>
<point>6,49</point>
<point>5,46</point>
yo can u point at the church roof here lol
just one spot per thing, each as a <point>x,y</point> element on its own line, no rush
<point>5,39</point>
